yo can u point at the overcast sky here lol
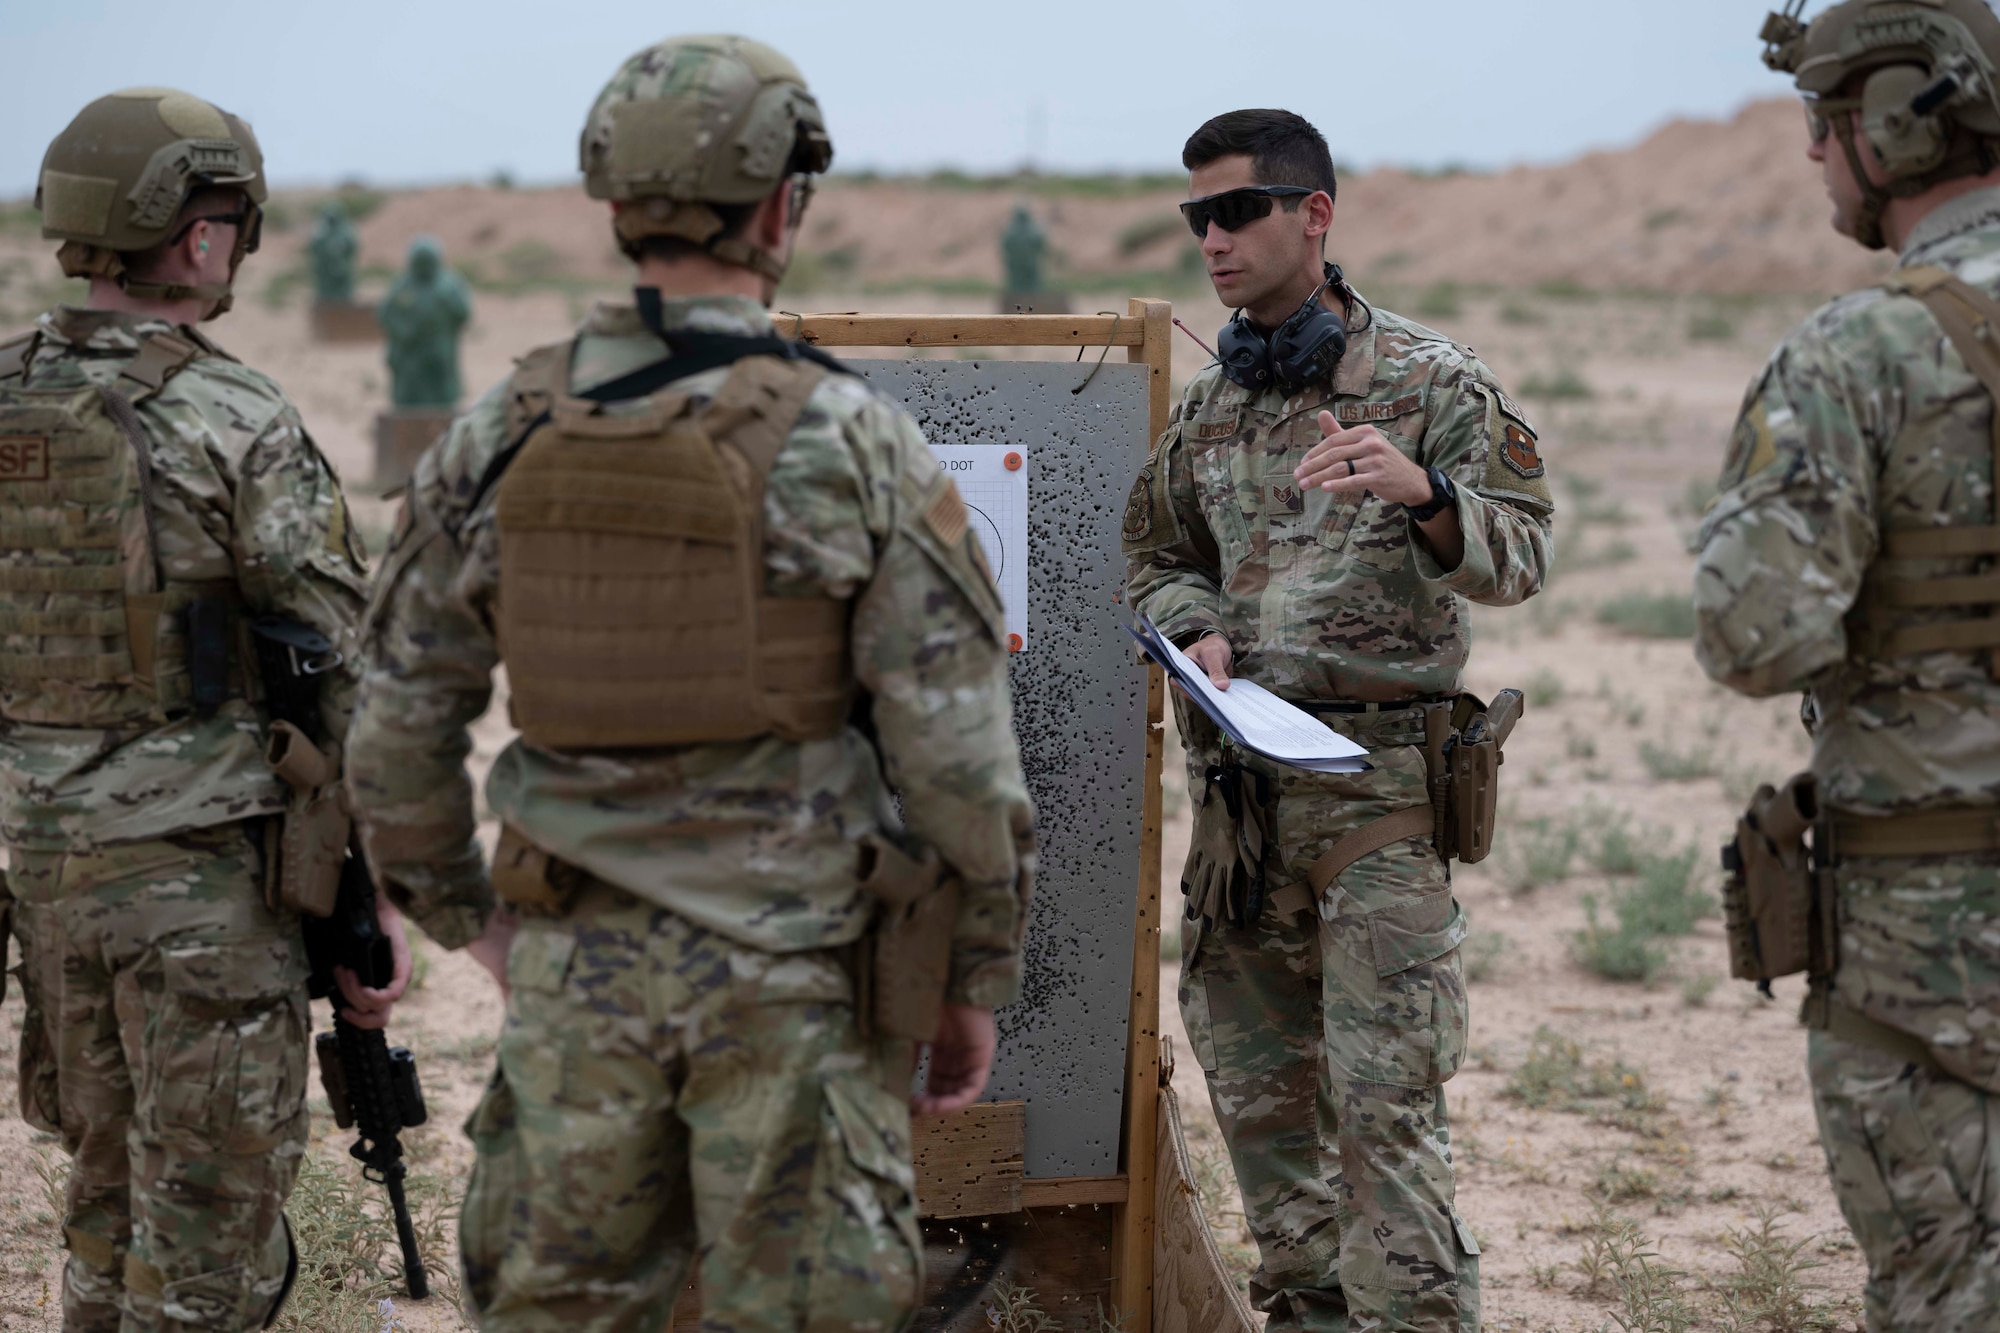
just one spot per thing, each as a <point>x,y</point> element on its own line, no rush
<point>422,91</point>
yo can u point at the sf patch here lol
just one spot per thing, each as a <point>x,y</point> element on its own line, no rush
<point>24,458</point>
<point>1519,451</point>
<point>1138,524</point>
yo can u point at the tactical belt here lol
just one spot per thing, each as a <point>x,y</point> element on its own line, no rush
<point>1357,706</point>
<point>1852,1026</point>
<point>1919,833</point>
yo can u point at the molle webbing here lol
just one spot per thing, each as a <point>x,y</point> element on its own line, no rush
<point>632,610</point>
<point>89,625</point>
<point>1971,320</point>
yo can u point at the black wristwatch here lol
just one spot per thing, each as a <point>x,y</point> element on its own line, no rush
<point>1443,493</point>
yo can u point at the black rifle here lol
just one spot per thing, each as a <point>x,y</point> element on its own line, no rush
<point>371,1085</point>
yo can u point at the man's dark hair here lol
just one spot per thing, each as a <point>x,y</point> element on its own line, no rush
<point>1283,148</point>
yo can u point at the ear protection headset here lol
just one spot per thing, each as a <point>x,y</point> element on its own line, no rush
<point>1303,349</point>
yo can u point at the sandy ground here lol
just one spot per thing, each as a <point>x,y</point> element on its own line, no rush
<point>1730,1128</point>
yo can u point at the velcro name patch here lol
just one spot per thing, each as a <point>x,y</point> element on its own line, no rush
<point>1216,430</point>
<point>24,458</point>
<point>1355,414</point>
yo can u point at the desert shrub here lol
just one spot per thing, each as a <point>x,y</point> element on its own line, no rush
<point>1545,689</point>
<point>1650,615</point>
<point>1563,384</point>
<point>1543,851</point>
<point>1440,301</point>
<point>1711,328</point>
<point>1667,764</point>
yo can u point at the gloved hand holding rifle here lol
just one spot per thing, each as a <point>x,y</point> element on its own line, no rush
<point>371,1085</point>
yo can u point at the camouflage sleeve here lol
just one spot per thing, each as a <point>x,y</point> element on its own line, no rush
<point>1172,564</point>
<point>1785,545</point>
<point>427,676</point>
<point>928,635</point>
<point>1483,441</point>
<point>296,553</point>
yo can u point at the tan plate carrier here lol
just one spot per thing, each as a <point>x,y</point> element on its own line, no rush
<point>91,631</point>
<point>632,606</point>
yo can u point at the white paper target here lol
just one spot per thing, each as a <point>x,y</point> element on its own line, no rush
<point>993,481</point>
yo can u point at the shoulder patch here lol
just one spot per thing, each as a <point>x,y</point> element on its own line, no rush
<point>946,516</point>
<point>1518,450</point>
<point>1354,414</point>
<point>1513,409</point>
<point>1138,524</point>
<point>1754,446</point>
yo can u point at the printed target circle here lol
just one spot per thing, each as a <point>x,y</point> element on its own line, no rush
<point>988,533</point>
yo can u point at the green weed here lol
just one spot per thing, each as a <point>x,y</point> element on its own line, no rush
<point>1542,852</point>
<point>1662,901</point>
<point>1614,952</point>
<point>1545,689</point>
<point>1440,301</point>
<point>1665,764</point>
<point>1769,1290</point>
<point>1650,615</point>
<point>1485,950</point>
<point>1696,989</point>
<point>348,1258</point>
<point>1513,312</point>
<point>1565,384</point>
<point>1555,1075</point>
<point>1711,328</point>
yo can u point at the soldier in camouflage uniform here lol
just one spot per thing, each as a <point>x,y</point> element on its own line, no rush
<point>683,1080</point>
<point>1849,556</point>
<point>1316,524</point>
<point>166,1029</point>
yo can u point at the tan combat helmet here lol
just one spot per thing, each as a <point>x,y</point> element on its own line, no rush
<point>114,181</point>
<point>1930,103</point>
<point>696,122</point>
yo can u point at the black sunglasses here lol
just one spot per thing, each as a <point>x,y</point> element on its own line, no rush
<point>1235,208</point>
<point>249,215</point>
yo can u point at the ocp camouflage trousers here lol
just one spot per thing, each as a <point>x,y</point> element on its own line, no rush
<point>165,1042</point>
<point>1915,1152</point>
<point>1326,1044</point>
<point>664,1098</point>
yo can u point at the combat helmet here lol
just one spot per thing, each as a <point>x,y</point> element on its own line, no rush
<point>113,182</point>
<point>697,122</point>
<point>1930,102</point>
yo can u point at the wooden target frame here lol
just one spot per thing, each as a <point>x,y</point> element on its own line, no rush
<point>964,1159</point>
<point>1144,333</point>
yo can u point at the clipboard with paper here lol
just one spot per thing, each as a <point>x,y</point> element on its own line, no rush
<point>1249,714</point>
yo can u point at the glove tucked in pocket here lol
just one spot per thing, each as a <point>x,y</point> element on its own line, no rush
<point>1224,879</point>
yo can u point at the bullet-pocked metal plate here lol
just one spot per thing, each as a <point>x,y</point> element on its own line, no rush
<point>1079,705</point>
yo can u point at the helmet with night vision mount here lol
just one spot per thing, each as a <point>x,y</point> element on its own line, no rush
<point>1922,73</point>
<point>694,127</point>
<point>113,184</point>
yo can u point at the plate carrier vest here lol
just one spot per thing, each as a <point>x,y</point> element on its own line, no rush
<point>1971,320</point>
<point>632,609</point>
<point>92,632</point>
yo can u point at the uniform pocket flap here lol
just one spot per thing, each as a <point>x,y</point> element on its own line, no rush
<point>874,1126</point>
<point>1415,932</point>
<point>246,970</point>
<point>538,960</point>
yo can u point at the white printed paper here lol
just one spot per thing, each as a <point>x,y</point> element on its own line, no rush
<point>1253,717</point>
<point>993,481</point>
